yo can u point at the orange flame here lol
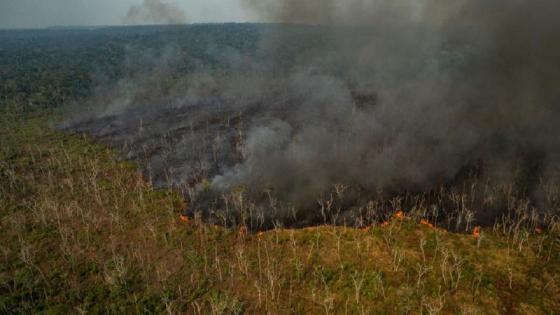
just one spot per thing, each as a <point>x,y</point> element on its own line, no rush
<point>399,214</point>
<point>184,218</point>
<point>426,223</point>
<point>385,223</point>
<point>476,231</point>
<point>242,231</point>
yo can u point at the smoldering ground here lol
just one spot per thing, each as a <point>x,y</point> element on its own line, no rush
<point>393,96</point>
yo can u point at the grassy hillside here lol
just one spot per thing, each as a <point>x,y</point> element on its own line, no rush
<point>83,232</point>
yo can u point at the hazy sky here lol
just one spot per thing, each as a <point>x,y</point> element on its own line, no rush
<point>41,13</point>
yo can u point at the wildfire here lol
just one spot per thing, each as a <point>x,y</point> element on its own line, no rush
<point>184,218</point>
<point>397,215</point>
<point>426,223</point>
<point>476,231</point>
<point>242,231</point>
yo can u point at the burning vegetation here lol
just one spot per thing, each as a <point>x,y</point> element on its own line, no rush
<point>448,109</point>
<point>315,166</point>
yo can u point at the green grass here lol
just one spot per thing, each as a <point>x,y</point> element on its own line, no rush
<point>83,232</point>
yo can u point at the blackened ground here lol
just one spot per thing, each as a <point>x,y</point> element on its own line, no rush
<point>184,145</point>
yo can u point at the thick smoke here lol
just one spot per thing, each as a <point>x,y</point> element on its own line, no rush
<point>155,12</point>
<point>410,94</point>
<point>378,96</point>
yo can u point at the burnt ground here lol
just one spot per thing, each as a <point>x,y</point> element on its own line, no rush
<point>175,145</point>
<point>184,113</point>
<point>185,144</point>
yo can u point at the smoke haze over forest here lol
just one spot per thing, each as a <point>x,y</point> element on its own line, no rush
<point>455,84</point>
<point>279,156</point>
<point>396,95</point>
<point>45,13</point>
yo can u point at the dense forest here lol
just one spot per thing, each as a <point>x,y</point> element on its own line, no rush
<point>51,67</point>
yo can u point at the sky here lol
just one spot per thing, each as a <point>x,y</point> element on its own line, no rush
<point>45,13</point>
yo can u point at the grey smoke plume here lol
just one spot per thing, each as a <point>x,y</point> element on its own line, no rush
<point>155,12</point>
<point>410,93</point>
<point>383,96</point>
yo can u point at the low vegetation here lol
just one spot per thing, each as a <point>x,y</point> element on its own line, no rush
<point>84,232</point>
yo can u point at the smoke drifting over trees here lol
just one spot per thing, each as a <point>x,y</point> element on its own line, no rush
<point>455,84</point>
<point>155,12</point>
<point>393,95</point>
